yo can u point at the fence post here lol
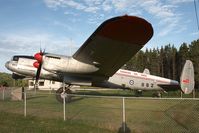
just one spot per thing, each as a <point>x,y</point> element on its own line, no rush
<point>181,94</point>
<point>24,103</point>
<point>123,115</point>
<point>194,94</point>
<point>3,93</point>
<point>64,106</point>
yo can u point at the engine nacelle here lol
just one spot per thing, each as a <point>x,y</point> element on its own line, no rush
<point>16,76</point>
<point>56,63</point>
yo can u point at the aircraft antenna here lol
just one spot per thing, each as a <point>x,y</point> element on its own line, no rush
<point>196,13</point>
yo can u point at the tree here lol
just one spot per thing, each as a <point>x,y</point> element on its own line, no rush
<point>183,55</point>
<point>194,57</point>
<point>7,80</point>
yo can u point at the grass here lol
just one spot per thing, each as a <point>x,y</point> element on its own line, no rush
<point>93,115</point>
<point>130,93</point>
<point>15,123</point>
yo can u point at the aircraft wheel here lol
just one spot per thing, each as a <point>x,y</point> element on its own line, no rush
<point>157,94</point>
<point>60,95</point>
<point>138,93</point>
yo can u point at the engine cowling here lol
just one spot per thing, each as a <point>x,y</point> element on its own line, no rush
<point>16,76</point>
<point>66,65</point>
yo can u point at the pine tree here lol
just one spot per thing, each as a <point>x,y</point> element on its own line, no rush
<point>194,57</point>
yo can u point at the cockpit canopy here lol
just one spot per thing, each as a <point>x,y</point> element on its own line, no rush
<point>16,57</point>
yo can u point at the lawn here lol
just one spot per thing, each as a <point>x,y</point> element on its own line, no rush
<point>93,115</point>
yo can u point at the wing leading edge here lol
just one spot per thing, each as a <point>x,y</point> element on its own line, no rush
<point>114,43</point>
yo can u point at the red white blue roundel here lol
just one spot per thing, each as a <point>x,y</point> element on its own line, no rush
<point>131,82</point>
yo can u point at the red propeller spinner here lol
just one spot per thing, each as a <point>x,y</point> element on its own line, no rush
<point>38,57</point>
<point>36,64</point>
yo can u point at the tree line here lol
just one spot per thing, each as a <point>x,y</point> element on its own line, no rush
<point>167,61</point>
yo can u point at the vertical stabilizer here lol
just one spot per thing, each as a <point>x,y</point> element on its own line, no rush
<point>187,78</point>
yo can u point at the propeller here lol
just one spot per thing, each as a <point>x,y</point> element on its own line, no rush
<point>38,64</point>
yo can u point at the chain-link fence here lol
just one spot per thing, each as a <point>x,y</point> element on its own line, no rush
<point>106,113</point>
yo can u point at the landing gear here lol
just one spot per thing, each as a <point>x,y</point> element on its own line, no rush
<point>63,92</point>
<point>138,93</point>
<point>157,94</point>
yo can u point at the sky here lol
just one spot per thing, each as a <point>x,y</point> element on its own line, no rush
<point>62,26</point>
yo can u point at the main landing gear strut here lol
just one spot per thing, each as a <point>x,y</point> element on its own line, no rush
<point>63,92</point>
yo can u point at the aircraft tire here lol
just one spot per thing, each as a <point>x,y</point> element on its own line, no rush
<point>157,94</point>
<point>138,93</point>
<point>59,94</point>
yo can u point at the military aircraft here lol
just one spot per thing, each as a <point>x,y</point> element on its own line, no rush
<point>98,61</point>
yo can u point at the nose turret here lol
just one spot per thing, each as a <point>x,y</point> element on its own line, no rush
<point>7,65</point>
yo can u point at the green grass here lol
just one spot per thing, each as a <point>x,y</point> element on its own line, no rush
<point>15,123</point>
<point>93,115</point>
<point>131,93</point>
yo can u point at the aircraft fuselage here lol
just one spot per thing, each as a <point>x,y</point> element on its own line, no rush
<point>67,69</point>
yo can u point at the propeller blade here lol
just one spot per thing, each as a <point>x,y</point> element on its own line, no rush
<point>38,65</point>
<point>38,73</point>
<point>43,52</point>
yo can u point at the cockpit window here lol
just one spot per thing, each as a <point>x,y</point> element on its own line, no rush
<point>16,58</point>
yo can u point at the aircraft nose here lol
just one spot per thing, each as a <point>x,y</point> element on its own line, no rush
<point>7,65</point>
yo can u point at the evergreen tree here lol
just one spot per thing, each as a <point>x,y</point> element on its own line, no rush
<point>183,55</point>
<point>194,57</point>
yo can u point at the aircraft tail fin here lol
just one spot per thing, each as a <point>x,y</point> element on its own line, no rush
<point>187,77</point>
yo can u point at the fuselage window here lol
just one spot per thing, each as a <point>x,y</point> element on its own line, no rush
<point>142,84</point>
<point>147,84</point>
<point>15,58</point>
<point>151,85</point>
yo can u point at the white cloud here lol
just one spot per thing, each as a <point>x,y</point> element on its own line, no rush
<point>195,33</point>
<point>26,44</point>
<point>52,3</point>
<point>121,4</point>
<point>70,13</point>
<point>156,8</point>
<point>166,15</point>
<point>74,4</point>
<point>93,2</point>
<point>163,12</point>
<point>64,25</point>
<point>106,6</point>
<point>64,3</point>
<point>179,1</point>
<point>91,9</point>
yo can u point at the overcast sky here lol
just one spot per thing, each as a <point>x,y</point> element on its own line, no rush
<point>62,26</point>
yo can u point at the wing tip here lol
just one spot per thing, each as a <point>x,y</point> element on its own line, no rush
<point>137,30</point>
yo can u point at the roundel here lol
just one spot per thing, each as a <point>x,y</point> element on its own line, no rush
<point>131,82</point>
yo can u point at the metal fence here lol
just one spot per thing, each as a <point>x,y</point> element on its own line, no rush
<point>116,114</point>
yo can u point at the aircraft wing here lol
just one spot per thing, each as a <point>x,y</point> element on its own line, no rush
<point>114,43</point>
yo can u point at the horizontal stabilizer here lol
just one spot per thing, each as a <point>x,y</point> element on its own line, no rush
<point>146,71</point>
<point>187,78</point>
